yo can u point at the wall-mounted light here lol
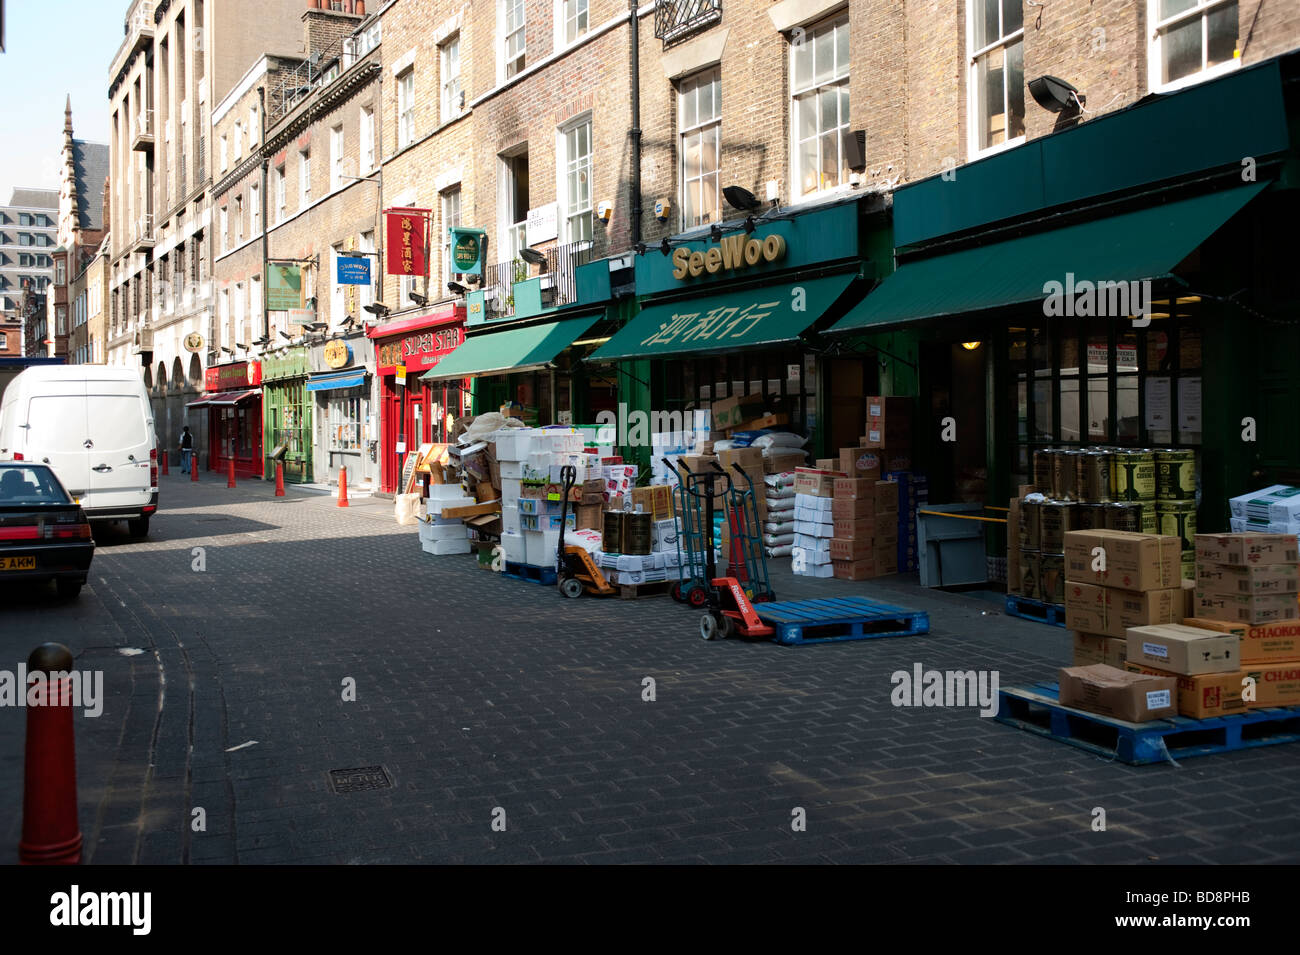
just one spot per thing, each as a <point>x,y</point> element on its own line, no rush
<point>970,346</point>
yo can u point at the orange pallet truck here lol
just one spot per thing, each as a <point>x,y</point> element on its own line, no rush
<point>575,571</point>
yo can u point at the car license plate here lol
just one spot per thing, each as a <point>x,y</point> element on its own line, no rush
<point>18,563</point>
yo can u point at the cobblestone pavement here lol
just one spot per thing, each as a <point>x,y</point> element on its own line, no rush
<point>486,698</point>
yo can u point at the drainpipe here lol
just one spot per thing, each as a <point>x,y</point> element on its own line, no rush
<point>266,223</point>
<point>635,131</point>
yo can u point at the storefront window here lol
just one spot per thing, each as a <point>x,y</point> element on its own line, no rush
<point>345,420</point>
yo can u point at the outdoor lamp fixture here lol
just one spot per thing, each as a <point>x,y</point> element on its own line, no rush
<point>533,257</point>
<point>242,346</point>
<point>418,299</point>
<point>970,346</point>
<point>377,309</point>
<point>227,351</point>
<point>738,197</point>
<point>1055,94</point>
<point>264,340</point>
<point>715,232</point>
<point>316,326</point>
<point>455,288</point>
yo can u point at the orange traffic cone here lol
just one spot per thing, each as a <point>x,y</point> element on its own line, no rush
<point>279,479</point>
<point>230,473</point>
<point>343,487</point>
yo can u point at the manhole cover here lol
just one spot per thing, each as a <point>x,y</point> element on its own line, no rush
<point>359,780</point>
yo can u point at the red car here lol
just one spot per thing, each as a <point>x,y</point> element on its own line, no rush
<point>44,534</point>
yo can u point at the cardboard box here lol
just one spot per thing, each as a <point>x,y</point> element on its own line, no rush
<point>1189,599</point>
<point>1243,549</point>
<point>864,569</point>
<point>854,528</point>
<point>768,421</point>
<point>1133,561</point>
<point>730,413</point>
<point>1121,694</point>
<point>1090,648</point>
<point>852,548</point>
<point>1176,648</point>
<point>891,418</point>
<point>1278,504</point>
<point>1260,643</point>
<point>818,483</point>
<point>855,487</point>
<point>1249,580</point>
<point>888,497</point>
<point>1107,611</point>
<point>856,508</point>
<point>829,464</point>
<point>749,459</point>
<point>860,463</point>
<point>781,461</point>
<point>1013,553</point>
<point>1241,608</point>
<point>588,516</point>
<point>1204,695</point>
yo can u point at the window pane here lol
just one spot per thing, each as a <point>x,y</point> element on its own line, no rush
<point>986,23</point>
<point>803,64</point>
<point>691,203</point>
<point>1012,16</point>
<point>808,165</point>
<point>715,88</point>
<point>689,108</point>
<point>1016,90</point>
<point>844,104</point>
<point>1223,34</point>
<point>842,49</point>
<point>824,56</point>
<point>708,198</point>
<point>806,106</point>
<point>830,167</point>
<point>828,107</point>
<point>1169,7</point>
<point>709,153</point>
<point>1182,50</point>
<point>691,155</point>
<point>1069,391</point>
<point>1189,348</point>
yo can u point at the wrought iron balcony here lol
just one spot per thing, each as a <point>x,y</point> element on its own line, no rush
<point>677,19</point>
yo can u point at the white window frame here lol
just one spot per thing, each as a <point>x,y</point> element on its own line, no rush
<point>565,164</point>
<point>253,124</point>
<point>839,77</point>
<point>238,329</point>
<point>449,81</point>
<point>254,209</point>
<point>224,228</point>
<point>255,302</point>
<point>1155,52</point>
<point>221,152</point>
<point>281,193</point>
<point>974,95</point>
<point>406,108</point>
<point>366,125</point>
<point>575,13</point>
<point>448,220</point>
<point>508,27</point>
<point>223,319</point>
<point>304,177</point>
<point>239,140</point>
<point>337,147</point>
<point>239,220</point>
<point>512,231</point>
<point>696,81</point>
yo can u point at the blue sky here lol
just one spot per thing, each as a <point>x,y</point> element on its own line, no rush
<point>53,48</point>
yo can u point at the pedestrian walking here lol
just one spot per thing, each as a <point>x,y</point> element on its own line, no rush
<point>187,449</point>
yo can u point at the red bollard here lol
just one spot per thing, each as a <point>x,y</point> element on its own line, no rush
<point>165,456</point>
<point>279,479</point>
<point>51,835</point>
<point>230,473</point>
<point>194,466</point>
<point>343,487</point>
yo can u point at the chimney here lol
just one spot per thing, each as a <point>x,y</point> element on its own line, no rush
<point>326,27</point>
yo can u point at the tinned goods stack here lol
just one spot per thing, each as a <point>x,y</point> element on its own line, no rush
<point>1115,580</point>
<point>865,524</point>
<point>1176,501</point>
<point>1241,649</point>
<point>814,524</point>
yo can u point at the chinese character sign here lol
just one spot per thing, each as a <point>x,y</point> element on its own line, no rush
<point>406,241</point>
<point>717,325</point>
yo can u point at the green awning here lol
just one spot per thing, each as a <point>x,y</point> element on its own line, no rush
<point>510,349</point>
<point>722,322</point>
<point>1130,247</point>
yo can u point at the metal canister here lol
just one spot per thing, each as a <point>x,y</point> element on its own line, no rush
<point>1043,464</point>
<point>1054,519</point>
<point>1089,517</point>
<point>636,533</point>
<point>1135,475</point>
<point>1179,518</point>
<point>1029,574</point>
<point>1065,476</point>
<point>1124,516</point>
<point>1051,578</point>
<point>1175,475</point>
<point>1149,523</point>
<point>1029,525</point>
<point>611,538</point>
<point>1093,476</point>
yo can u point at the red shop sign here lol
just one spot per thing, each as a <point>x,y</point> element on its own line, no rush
<point>419,352</point>
<point>406,229</point>
<point>240,374</point>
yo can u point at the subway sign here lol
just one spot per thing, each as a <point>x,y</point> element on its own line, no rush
<point>733,253</point>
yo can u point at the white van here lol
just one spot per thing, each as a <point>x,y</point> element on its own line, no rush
<point>93,425</point>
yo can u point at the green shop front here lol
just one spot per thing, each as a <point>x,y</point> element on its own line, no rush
<point>1124,283</point>
<point>527,357</point>
<point>737,311</point>
<point>288,409</point>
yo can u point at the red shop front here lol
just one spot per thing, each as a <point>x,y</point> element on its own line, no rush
<point>418,412</point>
<point>232,401</point>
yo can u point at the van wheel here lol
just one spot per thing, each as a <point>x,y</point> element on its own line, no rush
<point>138,528</point>
<point>68,589</point>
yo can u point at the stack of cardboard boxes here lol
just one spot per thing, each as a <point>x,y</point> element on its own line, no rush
<point>1115,580</point>
<point>865,524</point>
<point>1270,510</point>
<point>889,438</point>
<point>814,524</point>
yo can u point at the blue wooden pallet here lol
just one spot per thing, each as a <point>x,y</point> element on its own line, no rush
<point>835,619</point>
<point>1038,709</point>
<point>537,575</point>
<point>1031,609</point>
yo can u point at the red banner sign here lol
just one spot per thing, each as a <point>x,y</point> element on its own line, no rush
<point>418,352</point>
<point>406,229</point>
<point>232,377</point>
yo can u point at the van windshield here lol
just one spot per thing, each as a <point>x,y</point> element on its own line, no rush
<point>117,422</point>
<point>57,423</point>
